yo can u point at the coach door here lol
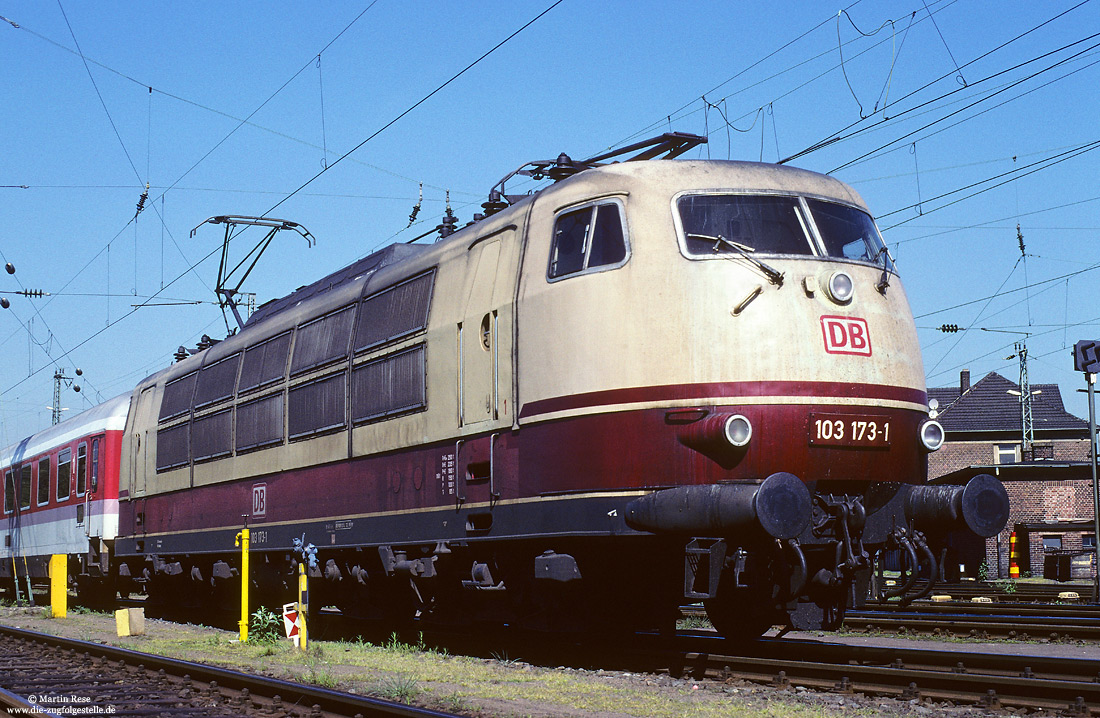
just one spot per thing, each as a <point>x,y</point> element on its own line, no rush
<point>484,345</point>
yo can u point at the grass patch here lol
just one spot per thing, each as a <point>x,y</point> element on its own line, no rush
<point>420,675</point>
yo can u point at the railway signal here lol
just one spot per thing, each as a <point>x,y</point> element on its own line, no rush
<point>1086,359</point>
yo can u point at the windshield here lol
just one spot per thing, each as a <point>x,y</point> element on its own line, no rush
<point>848,233</point>
<point>725,223</point>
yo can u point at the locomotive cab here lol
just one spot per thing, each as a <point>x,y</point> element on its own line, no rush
<point>734,339</point>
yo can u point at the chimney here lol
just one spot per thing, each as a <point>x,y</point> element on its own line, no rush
<point>964,381</point>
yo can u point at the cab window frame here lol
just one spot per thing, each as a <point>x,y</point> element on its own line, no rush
<point>593,205</point>
<point>809,232</point>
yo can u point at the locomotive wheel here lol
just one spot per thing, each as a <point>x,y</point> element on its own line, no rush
<point>742,619</point>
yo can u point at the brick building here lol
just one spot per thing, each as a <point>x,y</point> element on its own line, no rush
<point>1049,485</point>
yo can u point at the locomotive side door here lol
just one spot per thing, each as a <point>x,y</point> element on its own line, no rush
<point>484,346</point>
<point>140,455</point>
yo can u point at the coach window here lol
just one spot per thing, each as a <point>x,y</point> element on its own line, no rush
<point>9,491</point>
<point>64,468</point>
<point>95,465</point>
<point>739,225</point>
<point>81,469</point>
<point>25,486</point>
<point>43,480</point>
<point>588,239</point>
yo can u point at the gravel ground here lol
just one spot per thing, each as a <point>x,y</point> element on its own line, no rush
<point>510,688</point>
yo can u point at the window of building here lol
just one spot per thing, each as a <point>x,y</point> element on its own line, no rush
<point>43,480</point>
<point>728,224</point>
<point>25,487</point>
<point>9,491</point>
<point>587,239</point>
<point>81,469</point>
<point>1088,542</point>
<point>64,469</point>
<point>1006,453</point>
<point>1052,543</point>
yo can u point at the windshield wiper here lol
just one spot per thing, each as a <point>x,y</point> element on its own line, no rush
<point>774,275</point>
<point>884,281</point>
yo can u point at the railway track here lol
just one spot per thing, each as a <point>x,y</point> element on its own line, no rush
<point>1008,591</point>
<point>43,674</point>
<point>1013,626</point>
<point>994,681</point>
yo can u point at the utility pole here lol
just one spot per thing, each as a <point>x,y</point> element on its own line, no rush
<point>60,379</point>
<point>1028,425</point>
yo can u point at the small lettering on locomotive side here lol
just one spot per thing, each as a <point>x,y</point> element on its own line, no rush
<point>446,474</point>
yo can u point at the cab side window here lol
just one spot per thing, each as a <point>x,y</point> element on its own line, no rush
<point>588,239</point>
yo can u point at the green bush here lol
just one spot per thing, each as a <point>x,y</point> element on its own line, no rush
<point>265,627</point>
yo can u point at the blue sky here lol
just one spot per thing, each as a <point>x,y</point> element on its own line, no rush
<point>944,107</point>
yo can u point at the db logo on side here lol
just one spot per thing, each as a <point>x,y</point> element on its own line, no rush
<point>259,500</point>
<point>846,335</point>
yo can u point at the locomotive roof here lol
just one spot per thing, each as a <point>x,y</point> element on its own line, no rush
<point>399,261</point>
<point>732,175</point>
<point>367,265</point>
<point>108,416</point>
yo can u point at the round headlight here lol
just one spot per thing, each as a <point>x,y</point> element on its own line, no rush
<point>738,430</point>
<point>931,434</point>
<point>841,287</point>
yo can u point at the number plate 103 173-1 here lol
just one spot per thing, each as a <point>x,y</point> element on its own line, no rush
<point>866,430</point>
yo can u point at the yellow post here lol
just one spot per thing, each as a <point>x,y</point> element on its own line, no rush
<point>242,541</point>
<point>59,585</point>
<point>303,605</point>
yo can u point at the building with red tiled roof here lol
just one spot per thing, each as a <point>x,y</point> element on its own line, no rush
<point>1049,484</point>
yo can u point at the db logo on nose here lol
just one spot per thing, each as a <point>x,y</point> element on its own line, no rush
<point>846,335</point>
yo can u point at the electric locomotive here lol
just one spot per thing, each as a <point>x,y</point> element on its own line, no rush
<point>650,382</point>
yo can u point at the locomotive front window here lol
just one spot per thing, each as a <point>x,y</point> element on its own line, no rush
<point>848,233</point>
<point>735,224</point>
<point>587,239</point>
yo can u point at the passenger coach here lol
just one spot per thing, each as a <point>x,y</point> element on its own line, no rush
<point>60,496</point>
